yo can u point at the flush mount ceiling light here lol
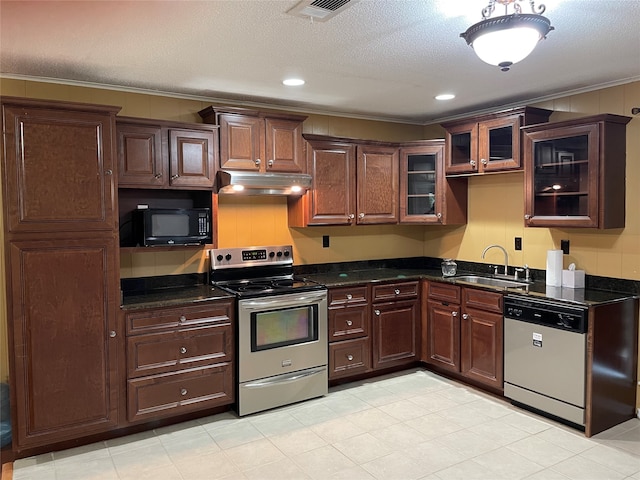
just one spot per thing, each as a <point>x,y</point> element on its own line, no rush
<point>293,82</point>
<point>445,96</point>
<point>509,38</point>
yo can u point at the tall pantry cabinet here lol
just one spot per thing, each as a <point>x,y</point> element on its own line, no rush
<point>60,225</point>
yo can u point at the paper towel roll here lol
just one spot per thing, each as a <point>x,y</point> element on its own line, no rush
<point>554,268</point>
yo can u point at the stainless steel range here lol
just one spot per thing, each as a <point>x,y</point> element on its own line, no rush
<point>282,327</point>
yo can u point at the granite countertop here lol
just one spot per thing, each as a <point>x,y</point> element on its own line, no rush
<point>582,296</point>
<point>173,296</point>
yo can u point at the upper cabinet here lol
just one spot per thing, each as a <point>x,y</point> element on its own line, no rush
<point>426,195</point>
<point>158,154</point>
<point>59,172</point>
<point>258,141</point>
<point>354,182</point>
<point>488,143</point>
<point>574,173</point>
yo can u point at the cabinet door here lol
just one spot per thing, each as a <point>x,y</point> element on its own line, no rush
<point>394,333</point>
<point>331,201</point>
<point>462,149</point>
<point>65,339</point>
<point>443,335</point>
<point>377,200</point>
<point>418,184</point>
<point>140,156</point>
<point>499,144</point>
<point>349,357</point>
<point>59,170</point>
<point>284,149</point>
<point>481,347</point>
<point>241,140</point>
<point>192,154</point>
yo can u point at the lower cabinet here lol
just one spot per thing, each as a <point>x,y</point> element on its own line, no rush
<point>179,359</point>
<point>349,326</point>
<point>464,332</point>
<point>395,322</point>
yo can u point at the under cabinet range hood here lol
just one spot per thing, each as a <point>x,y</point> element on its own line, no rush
<point>238,182</point>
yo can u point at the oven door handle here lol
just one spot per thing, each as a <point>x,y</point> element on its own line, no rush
<point>286,378</point>
<point>309,298</point>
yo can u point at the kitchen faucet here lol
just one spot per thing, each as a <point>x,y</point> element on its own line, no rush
<point>506,256</point>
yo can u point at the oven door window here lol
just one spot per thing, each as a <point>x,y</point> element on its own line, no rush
<point>279,328</point>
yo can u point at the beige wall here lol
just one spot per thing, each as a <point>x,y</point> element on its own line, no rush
<point>496,206</point>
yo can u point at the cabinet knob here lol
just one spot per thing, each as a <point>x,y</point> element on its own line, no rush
<point>183,318</point>
<point>351,217</point>
<point>377,312</point>
<point>484,161</point>
<point>527,217</point>
<point>361,215</point>
<point>183,391</point>
<point>112,334</point>
<point>472,163</point>
<point>465,316</point>
<point>108,172</point>
<point>183,349</point>
<point>158,175</point>
<point>349,296</point>
<point>258,162</point>
<point>270,163</point>
<point>396,291</point>
<point>439,215</point>
<point>350,357</point>
<point>349,323</point>
<point>173,177</point>
<point>454,314</point>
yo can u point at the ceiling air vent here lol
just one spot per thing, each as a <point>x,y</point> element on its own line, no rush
<point>320,10</point>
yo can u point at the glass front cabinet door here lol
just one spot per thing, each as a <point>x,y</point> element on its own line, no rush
<point>574,173</point>
<point>426,196</point>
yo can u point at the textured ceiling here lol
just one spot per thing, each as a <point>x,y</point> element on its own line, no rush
<point>378,58</point>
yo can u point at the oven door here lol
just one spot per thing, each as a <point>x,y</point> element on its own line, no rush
<point>281,334</point>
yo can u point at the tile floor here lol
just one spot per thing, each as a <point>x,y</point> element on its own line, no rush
<point>409,425</point>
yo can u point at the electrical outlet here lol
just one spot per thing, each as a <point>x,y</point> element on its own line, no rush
<point>325,241</point>
<point>518,243</point>
<point>564,246</point>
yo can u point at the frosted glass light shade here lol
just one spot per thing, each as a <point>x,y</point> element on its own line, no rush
<point>508,39</point>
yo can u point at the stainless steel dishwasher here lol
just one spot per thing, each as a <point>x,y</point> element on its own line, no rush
<point>545,356</point>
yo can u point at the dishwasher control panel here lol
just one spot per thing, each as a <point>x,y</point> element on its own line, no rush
<point>548,313</point>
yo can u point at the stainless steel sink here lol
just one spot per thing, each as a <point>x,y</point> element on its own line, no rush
<point>490,281</point>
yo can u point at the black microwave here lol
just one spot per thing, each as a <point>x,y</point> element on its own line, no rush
<point>168,226</point>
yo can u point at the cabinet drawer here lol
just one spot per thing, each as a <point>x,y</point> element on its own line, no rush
<point>169,351</point>
<point>444,292</point>
<point>341,296</point>
<point>349,357</point>
<point>482,299</point>
<point>176,393</point>
<point>146,321</point>
<point>385,293</point>
<point>350,321</point>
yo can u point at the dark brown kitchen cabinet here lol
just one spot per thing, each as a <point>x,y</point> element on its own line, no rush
<point>258,141</point>
<point>349,331</point>
<point>354,183</point>
<point>395,323</point>
<point>59,172</point>
<point>488,143</point>
<point>179,359</point>
<point>62,270</point>
<point>464,332</point>
<point>574,173</point>
<point>157,154</point>
<point>426,195</point>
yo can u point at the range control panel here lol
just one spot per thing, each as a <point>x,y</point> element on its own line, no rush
<point>222,258</point>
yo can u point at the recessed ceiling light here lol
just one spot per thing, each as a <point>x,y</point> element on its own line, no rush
<point>293,82</point>
<point>445,96</point>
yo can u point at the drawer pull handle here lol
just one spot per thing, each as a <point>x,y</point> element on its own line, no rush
<point>183,349</point>
<point>349,296</point>
<point>183,318</point>
<point>112,334</point>
<point>349,322</point>
<point>397,292</point>
<point>183,391</point>
<point>350,357</point>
